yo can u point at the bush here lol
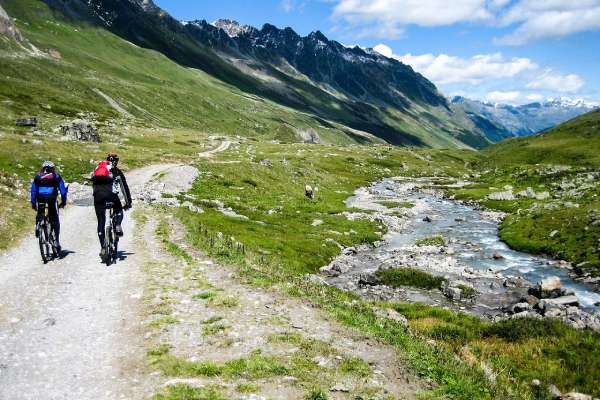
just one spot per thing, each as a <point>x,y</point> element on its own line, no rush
<point>410,277</point>
<point>436,240</point>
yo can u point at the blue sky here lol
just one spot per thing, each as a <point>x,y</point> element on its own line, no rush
<point>512,51</point>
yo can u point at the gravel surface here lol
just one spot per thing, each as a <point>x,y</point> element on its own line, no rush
<point>68,328</point>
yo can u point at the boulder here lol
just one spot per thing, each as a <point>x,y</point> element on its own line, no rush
<point>427,219</point>
<point>31,121</point>
<point>520,307</point>
<point>369,280</point>
<point>392,314</point>
<point>560,302</point>
<point>528,193</point>
<point>498,256</point>
<point>507,195</point>
<point>453,293</point>
<point>550,287</point>
<point>81,130</point>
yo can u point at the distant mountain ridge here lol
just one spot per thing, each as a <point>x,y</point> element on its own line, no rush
<point>525,119</point>
<point>358,88</point>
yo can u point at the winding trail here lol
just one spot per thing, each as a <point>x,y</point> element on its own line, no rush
<point>222,147</point>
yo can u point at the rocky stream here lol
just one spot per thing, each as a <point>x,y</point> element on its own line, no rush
<point>483,276</point>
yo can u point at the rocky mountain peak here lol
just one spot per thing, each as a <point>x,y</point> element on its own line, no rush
<point>231,27</point>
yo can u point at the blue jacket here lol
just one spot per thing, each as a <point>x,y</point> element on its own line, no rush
<point>46,187</point>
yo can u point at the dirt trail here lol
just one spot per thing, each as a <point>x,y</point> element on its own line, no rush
<point>68,329</point>
<point>221,148</point>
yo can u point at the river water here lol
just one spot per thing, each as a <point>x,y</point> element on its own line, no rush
<point>473,236</point>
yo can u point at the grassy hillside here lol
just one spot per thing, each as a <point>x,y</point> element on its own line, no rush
<point>576,142</point>
<point>150,87</point>
<point>565,163</point>
<point>169,110</point>
<point>281,245</point>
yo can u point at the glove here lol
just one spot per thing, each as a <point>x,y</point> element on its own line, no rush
<point>127,207</point>
<point>62,204</point>
<point>34,206</point>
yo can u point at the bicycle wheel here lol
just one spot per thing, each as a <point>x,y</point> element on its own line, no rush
<point>44,244</point>
<point>108,246</point>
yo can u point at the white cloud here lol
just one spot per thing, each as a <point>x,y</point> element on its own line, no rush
<point>549,80</point>
<point>444,69</point>
<point>549,19</point>
<point>387,18</point>
<point>291,5</point>
<point>530,20</point>
<point>384,50</point>
<point>503,97</point>
<point>491,75</point>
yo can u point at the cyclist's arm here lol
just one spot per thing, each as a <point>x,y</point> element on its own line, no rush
<point>62,189</point>
<point>33,193</point>
<point>126,188</point>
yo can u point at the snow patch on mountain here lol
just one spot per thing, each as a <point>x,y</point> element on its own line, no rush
<point>526,119</point>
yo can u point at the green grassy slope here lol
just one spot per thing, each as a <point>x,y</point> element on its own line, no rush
<point>148,85</point>
<point>576,142</point>
<point>281,245</point>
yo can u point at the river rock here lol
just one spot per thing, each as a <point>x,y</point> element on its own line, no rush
<point>548,288</point>
<point>453,293</point>
<point>498,256</point>
<point>369,280</point>
<point>427,219</point>
<point>520,307</point>
<point>559,301</point>
<point>339,266</point>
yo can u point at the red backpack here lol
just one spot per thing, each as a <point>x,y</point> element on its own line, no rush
<point>103,170</point>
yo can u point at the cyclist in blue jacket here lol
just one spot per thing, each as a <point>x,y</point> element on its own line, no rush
<point>45,188</point>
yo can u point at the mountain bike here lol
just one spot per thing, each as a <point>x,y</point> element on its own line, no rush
<point>111,239</point>
<point>45,235</point>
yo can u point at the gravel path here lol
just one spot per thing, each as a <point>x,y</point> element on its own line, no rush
<point>68,328</point>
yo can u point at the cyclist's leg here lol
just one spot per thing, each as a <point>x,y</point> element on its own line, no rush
<point>54,220</point>
<point>100,208</point>
<point>118,210</point>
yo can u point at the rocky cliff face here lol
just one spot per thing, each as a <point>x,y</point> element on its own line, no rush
<point>360,74</point>
<point>8,28</point>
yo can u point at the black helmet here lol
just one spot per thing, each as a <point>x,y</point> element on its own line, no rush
<point>113,158</point>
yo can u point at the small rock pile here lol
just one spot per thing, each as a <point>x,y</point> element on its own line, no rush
<point>550,300</point>
<point>81,130</point>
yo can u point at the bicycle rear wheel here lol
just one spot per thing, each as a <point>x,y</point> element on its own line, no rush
<point>108,258</point>
<point>43,242</point>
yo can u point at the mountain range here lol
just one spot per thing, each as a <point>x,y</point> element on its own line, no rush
<point>317,83</point>
<point>525,119</point>
<point>360,89</point>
